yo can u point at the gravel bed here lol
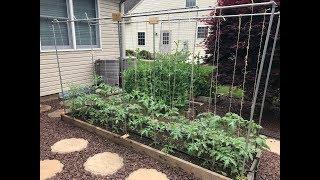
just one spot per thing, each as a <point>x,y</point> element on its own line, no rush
<point>269,166</point>
<point>53,130</point>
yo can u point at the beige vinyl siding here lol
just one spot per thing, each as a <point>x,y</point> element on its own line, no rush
<point>183,32</point>
<point>76,66</point>
<point>156,5</point>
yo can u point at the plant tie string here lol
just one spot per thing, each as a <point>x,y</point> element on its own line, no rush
<point>259,53</point>
<point>58,63</point>
<point>243,85</point>
<point>91,48</point>
<point>191,98</point>
<point>217,66</point>
<point>234,65</point>
<point>246,63</point>
<point>213,60</point>
<point>170,96</point>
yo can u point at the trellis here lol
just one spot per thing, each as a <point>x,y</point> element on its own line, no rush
<point>214,76</point>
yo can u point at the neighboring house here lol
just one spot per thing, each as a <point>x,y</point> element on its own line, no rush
<point>73,41</point>
<point>129,4</point>
<point>140,35</point>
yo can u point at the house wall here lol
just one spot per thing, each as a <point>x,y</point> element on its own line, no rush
<point>183,31</point>
<point>156,5</point>
<point>76,66</point>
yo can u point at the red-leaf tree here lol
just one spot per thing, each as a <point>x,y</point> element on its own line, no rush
<point>228,45</point>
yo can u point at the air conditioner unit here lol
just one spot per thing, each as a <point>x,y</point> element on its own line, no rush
<point>108,70</point>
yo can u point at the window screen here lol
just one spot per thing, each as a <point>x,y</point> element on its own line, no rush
<point>141,38</point>
<point>49,10</point>
<point>202,32</point>
<point>80,8</point>
<point>58,9</point>
<point>190,3</point>
<point>165,38</point>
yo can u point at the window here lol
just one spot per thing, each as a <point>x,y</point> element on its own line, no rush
<point>202,32</point>
<point>50,9</point>
<point>82,30</point>
<point>191,3</point>
<point>141,38</point>
<point>69,35</point>
<point>165,38</point>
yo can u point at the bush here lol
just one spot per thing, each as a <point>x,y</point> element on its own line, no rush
<point>228,44</point>
<point>130,52</point>
<point>143,54</point>
<point>168,77</point>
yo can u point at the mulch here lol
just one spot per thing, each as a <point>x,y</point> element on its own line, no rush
<point>269,166</point>
<point>53,130</point>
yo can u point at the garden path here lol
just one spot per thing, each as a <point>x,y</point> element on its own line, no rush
<point>52,130</point>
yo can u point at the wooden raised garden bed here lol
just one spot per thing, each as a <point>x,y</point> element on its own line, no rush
<point>125,140</point>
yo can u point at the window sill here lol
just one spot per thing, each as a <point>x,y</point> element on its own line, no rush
<point>70,50</point>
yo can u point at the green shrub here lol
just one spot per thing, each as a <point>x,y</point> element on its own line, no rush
<point>144,54</point>
<point>130,52</point>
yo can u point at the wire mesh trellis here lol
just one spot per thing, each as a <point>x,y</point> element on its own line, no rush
<point>159,38</point>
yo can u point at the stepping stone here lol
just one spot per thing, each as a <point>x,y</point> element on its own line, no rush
<point>44,108</point>
<point>69,145</point>
<point>274,145</point>
<point>104,164</point>
<point>57,113</point>
<point>65,103</point>
<point>49,168</point>
<point>147,174</point>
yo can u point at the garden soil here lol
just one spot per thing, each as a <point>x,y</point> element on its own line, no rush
<point>269,166</point>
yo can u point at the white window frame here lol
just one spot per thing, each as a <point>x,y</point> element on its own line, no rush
<point>205,26</point>
<point>192,6</point>
<point>145,40</point>
<point>72,33</point>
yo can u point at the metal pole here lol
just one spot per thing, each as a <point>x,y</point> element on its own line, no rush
<point>201,9</point>
<point>57,57</point>
<point>209,17</point>
<point>269,69</point>
<point>122,44</point>
<point>94,20</point>
<point>262,63</point>
<point>91,47</point>
<point>151,13</point>
<point>120,51</point>
<point>154,40</point>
